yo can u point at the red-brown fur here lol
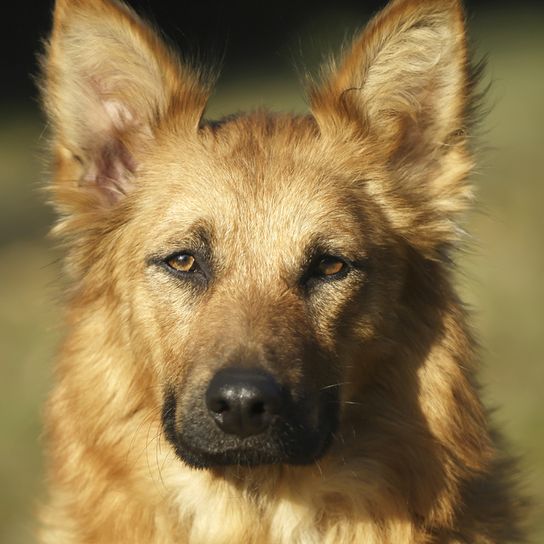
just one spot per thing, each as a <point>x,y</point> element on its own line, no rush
<point>379,170</point>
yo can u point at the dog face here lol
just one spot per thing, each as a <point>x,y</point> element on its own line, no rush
<point>258,260</point>
<point>256,266</point>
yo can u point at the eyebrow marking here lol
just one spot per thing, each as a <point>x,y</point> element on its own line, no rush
<point>322,244</point>
<point>198,239</point>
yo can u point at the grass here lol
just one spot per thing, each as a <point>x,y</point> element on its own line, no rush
<point>501,278</point>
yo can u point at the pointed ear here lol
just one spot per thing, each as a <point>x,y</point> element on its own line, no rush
<point>404,88</point>
<point>108,83</point>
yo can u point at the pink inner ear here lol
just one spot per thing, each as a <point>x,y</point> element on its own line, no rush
<point>111,164</point>
<point>120,116</point>
<point>111,170</point>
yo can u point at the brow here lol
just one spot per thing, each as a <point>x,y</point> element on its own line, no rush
<point>198,238</point>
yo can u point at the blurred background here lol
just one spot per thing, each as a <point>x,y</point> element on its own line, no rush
<point>262,48</point>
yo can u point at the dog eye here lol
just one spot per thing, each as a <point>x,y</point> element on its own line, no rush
<point>325,268</point>
<point>330,266</point>
<point>182,262</point>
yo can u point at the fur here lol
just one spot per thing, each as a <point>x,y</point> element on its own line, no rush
<point>376,173</point>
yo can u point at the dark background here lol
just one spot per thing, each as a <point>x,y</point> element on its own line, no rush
<point>241,34</point>
<point>263,47</point>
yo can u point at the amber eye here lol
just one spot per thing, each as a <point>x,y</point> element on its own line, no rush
<point>182,262</point>
<point>330,266</point>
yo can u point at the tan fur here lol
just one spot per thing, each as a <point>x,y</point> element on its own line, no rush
<point>378,170</point>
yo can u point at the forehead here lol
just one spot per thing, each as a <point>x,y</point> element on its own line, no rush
<point>253,177</point>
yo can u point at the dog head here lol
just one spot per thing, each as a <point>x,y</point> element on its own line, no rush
<point>257,267</point>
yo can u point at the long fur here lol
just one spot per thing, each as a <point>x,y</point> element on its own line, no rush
<point>379,169</point>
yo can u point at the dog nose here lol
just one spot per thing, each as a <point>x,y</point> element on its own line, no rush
<point>243,402</point>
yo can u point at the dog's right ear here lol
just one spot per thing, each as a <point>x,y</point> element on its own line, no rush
<point>108,83</point>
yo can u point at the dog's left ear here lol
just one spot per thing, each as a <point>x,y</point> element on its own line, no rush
<point>109,81</point>
<point>404,90</point>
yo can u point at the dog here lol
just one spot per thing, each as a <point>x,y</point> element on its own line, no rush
<point>264,343</point>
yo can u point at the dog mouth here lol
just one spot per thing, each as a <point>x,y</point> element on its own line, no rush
<point>253,452</point>
<point>294,431</point>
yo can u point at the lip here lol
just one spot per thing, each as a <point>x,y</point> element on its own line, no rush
<point>267,453</point>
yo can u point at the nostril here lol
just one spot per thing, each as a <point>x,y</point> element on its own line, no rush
<point>257,408</point>
<point>243,402</point>
<point>218,406</point>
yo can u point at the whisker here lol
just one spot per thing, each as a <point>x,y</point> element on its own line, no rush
<point>334,385</point>
<point>316,462</point>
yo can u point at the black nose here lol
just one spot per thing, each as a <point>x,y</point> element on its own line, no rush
<point>243,402</point>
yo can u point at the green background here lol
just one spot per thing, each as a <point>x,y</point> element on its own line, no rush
<point>501,276</point>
